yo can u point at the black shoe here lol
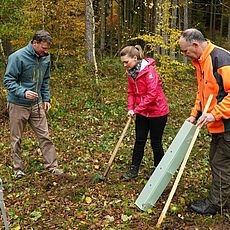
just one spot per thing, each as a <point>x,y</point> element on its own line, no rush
<point>204,207</point>
<point>131,173</point>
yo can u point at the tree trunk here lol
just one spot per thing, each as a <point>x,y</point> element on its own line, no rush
<point>214,20</point>
<point>111,28</point>
<point>186,14</point>
<point>156,13</point>
<point>173,23</point>
<point>90,36</point>
<point>2,53</point>
<point>119,32</point>
<point>103,26</point>
<point>221,22</point>
<point>122,19</point>
<point>5,49</point>
<point>43,15</point>
<point>163,10</point>
<point>185,24</point>
<point>211,20</point>
<point>229,29</point>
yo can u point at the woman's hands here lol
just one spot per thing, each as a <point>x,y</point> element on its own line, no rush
<point>131,113</point>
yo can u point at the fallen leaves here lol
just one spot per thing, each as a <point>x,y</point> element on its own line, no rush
<point>126,217</point>
<point>88,200</point>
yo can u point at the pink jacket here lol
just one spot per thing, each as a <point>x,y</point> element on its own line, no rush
<point>145,94</point>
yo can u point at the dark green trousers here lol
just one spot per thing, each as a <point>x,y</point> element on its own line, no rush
<point>220,166</point>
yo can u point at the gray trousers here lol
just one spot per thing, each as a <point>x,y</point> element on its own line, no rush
<point>36,117</point>
<point>220,166</point>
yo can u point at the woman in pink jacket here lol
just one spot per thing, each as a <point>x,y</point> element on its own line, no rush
<point>147,101</point>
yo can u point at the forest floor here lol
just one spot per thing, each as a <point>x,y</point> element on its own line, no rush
<point>86,122</point>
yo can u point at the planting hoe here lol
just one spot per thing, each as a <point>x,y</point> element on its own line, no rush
<point>100,177</point>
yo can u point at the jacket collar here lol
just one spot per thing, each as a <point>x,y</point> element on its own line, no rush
<point>146,62</point>
<point>206,53</point>
<point>30,48</point>
<point>32,51</point>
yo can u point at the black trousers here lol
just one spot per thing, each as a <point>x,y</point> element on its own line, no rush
<point>144,125</point>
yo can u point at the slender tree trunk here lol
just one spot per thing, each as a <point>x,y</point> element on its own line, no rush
<point>121,6</point>
<point>131,16</point>
<point>164,9</point>
<point>128,18</point>
<point>174,14</point>
<point>90,36</point>
<point>156,17</point>
<point>103,26</point>
<point>143,28</point>
<point>186,14</point>
<point>89,31</point>
<point>214,20</point>
<point>179,18</point>
<point>151,12</point>
<point>211,20</point>
<point>43,15</point>
<point>229,29</point>
<point>111,28</point>
<point>173,23</point>
<point>2,53</point>
<point>221,22</point>
<point>147,18</point>
<point>185,24</point>
<point>120,26</point>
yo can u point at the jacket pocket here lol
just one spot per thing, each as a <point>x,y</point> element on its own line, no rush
<point>29,73</point>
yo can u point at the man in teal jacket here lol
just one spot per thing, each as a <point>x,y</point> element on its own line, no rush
<point>27,81</point>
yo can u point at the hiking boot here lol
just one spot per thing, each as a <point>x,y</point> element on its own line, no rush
<point>56,171</point>
<point>204,207</point>
<point>131,173</point>
<point>19,173</point>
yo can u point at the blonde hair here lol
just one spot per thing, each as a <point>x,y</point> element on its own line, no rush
<point>132,51</point>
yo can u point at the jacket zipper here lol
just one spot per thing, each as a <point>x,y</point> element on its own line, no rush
<point>202,78</point>
<point>37,83</point>
<point>137,88</point>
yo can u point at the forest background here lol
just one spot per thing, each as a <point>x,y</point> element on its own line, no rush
<point>89,93</point>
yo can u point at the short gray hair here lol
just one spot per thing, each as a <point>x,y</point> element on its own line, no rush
<point>42,36</point>
<point>193,34</point>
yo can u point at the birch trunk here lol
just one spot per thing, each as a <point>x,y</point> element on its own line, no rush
<point>90,36</point>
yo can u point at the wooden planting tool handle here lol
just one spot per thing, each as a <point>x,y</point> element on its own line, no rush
<point>117,146</point>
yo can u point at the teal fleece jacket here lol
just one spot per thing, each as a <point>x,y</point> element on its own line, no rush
<point>26,71</point>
